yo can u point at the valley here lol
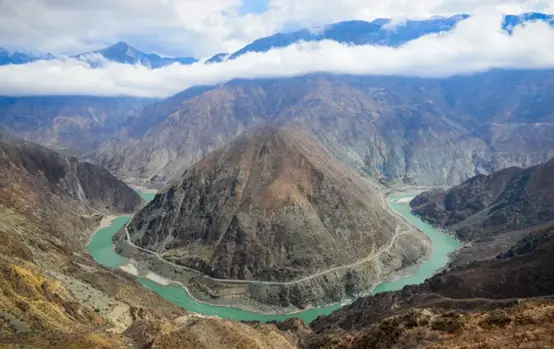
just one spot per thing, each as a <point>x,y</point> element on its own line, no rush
<point>276,176</point>
<point>278,227</point>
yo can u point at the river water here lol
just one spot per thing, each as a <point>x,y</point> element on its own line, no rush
<point>102,250</point>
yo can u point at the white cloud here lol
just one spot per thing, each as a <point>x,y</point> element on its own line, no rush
<point>476,44</point>
<point>200,27</point>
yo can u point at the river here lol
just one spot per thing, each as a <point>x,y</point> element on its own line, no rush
<point>102,250</point>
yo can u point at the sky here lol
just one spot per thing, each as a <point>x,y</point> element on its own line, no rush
<point>201,28</point>
<point>475,45</point>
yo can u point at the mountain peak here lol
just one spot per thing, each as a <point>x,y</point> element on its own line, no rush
<point>121,44</point>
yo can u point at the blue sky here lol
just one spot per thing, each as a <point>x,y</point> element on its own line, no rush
<point>254,6</point>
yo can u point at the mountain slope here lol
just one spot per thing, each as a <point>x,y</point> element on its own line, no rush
<point>354,32</point>
<point>64,189</point>
<point>53,294</point>
<point>276,206</point>
<point>493,212</point>
<point>387,127</point>
<point>511,199</point>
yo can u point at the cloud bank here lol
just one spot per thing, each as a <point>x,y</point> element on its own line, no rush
<point>476,44</point>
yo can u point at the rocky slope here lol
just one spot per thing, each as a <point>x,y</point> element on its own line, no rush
<point>276,206</point>
<point>386,127</point>
<point>71,124</point>
<point>58,188</point>
<point>492,211</point>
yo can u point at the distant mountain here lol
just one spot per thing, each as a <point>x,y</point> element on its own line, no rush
<point>122,52</point>
<point>378,32</point>
<point>512,21</point>
<point>218,58</point>
<point>19,57</point>
<point>67,123</point>
<point>387,127</point>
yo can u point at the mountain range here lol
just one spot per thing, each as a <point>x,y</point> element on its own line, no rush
<point>73,124</point>
<point>500,302</point>
<point>19,57</point>
<point>378,32</point>
<point>387,128</point>
<point>122,52</point>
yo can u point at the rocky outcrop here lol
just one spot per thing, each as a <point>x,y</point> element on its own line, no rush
<point>390,128</point>
<point>275,206</point>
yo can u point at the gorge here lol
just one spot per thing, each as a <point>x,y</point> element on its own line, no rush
<point>280,174</point>
<point>102,250</point>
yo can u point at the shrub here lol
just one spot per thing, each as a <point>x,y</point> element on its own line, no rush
<point>497,318</point>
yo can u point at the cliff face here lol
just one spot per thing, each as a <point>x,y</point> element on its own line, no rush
<point>387,127</point>
<point>275,206</point>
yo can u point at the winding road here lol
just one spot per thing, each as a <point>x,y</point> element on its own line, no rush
<point>256,282</point>
<point>409,230</point>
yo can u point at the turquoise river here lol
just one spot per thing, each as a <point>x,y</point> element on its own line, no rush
<point>102,250</point>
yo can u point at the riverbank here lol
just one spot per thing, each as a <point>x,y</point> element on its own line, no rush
<point>180,296</point>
